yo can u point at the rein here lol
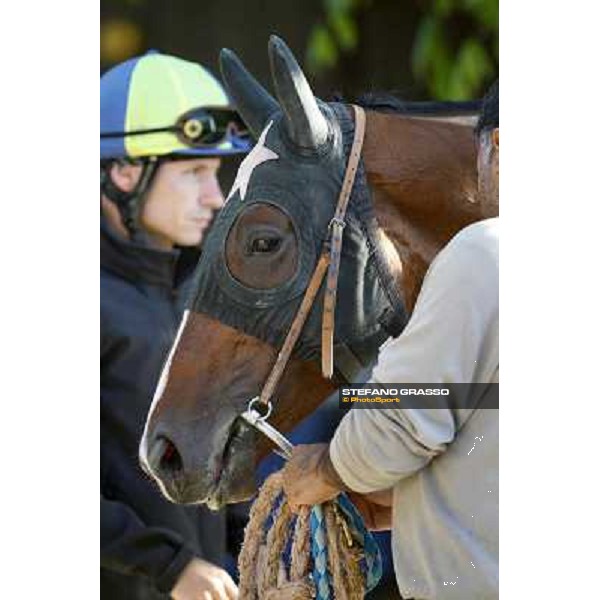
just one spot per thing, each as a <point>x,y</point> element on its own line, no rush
<point>329,262</point>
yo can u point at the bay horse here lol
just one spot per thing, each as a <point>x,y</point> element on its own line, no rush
<point>415,187</point>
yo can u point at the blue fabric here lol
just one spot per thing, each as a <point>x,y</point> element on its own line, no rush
<point>238,146</point>
<point>114,93</point>
<point>317,428</point>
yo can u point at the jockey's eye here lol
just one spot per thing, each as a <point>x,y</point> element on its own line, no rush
<point>264,245</point>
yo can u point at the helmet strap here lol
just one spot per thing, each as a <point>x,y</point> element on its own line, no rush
<point>130,203</point>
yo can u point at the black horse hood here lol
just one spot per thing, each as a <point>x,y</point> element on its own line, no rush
<point>306,187</point>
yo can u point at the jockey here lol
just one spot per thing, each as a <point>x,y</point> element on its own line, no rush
<point>166,124</point>
<point>431,474</point>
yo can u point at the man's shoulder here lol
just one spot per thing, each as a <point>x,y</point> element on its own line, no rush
<point>483,234</point>
<point>477,244</point>
<point>469,264</point>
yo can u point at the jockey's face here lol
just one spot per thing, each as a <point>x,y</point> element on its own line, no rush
<point>182,201</point>
<point>488,167</point>
<point>180,204</point>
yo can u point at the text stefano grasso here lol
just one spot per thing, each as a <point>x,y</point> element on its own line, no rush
<point>396,391</point>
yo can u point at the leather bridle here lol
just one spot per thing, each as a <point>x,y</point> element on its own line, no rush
<point>328,263</point>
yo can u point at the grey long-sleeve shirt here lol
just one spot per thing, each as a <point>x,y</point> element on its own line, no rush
<point>441,463</point>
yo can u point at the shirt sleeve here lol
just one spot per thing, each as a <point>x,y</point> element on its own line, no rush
<point>452,337</point>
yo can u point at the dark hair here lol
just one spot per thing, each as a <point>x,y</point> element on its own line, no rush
<point>489,117</point>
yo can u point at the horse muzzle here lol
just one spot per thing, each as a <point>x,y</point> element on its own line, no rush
<point>190,472</point>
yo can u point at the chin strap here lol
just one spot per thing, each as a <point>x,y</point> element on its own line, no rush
<point>130,203</point>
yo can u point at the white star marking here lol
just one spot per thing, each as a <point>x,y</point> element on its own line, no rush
<point>260,154</point>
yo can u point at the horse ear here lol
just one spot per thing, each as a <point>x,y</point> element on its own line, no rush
<point>306,124</point>
<point>252,101</point>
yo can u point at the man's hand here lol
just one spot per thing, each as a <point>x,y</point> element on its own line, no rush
<point>375,508</point>
<point>201,580</point>
<point>309,477</point>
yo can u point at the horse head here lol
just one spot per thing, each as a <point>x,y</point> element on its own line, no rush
<point>255,267</point>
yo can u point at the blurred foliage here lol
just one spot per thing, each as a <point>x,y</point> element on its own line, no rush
<point>454,52</point>
<point>453,66</point>
<point>338,32</point>
<point>120,39</point>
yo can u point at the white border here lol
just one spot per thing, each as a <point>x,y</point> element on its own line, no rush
<point>549,298</point>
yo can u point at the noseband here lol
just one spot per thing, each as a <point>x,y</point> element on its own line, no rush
<point>329,262</point>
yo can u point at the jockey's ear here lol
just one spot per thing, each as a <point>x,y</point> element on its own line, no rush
<point>496,138</point>
<point>124,175</point>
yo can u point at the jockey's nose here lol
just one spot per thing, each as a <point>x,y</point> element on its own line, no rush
<point>212,196</point>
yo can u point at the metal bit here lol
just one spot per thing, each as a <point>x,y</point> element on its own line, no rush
<point>254,418</point>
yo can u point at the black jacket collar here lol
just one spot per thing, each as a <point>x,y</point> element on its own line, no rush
<point>136,262</point>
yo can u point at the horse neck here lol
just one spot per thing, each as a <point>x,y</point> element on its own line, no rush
<point>422,174</point>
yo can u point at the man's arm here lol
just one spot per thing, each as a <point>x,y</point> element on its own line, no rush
<point>452,337</point>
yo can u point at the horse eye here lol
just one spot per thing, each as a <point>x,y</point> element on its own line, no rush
<point>264,245</point>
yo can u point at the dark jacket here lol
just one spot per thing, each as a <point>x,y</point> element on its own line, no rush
<point>145,540</point>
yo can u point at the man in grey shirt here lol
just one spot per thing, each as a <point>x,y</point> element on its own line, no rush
<point>431,475</point>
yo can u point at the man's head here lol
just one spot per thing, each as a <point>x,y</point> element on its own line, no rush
<point>179,205</point>
<point>165,124</point>
<point>488,158</point>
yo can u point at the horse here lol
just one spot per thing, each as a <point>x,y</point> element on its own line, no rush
<point>414,188</point>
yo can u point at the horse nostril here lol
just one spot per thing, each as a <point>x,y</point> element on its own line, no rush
<point>164,456</point>
<point>171,459</point>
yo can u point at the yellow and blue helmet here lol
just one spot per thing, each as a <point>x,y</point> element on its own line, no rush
<point>160,105</point>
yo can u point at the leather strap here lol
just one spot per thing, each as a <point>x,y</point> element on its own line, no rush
<point>347,363</point>
<point>329,261</point>
<point>130,203</point>
<point>337,225</point>
<point>295,329</point>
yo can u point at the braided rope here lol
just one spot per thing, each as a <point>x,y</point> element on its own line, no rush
<point>329,545</point>
<point>333,542</point>
<point>249,555</point>
<point>301,546</point>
